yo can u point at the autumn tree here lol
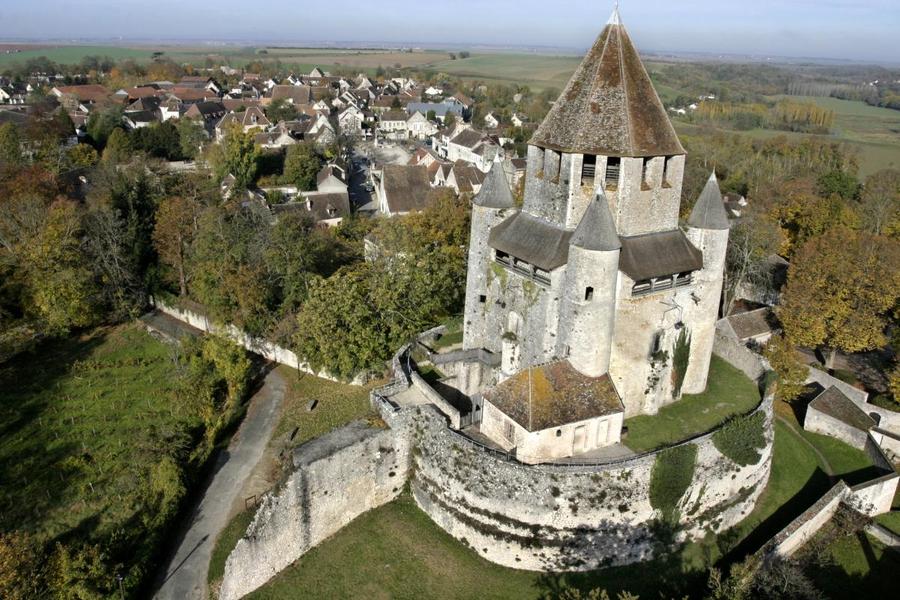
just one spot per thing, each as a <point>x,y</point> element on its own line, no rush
<point>751,242</point>
<point>840,286</point>
<point>118,148</point>
<point>301,165</point>
<point>236,154</point>
<point>880,202</point>
<point>790,373</point>
<point>21,566</point>
<point>281,110</point>
<point>60,284</point>
<point>82,156</point>
<point>191,137</point>
<point>176,225</point>
<point>10,146</point>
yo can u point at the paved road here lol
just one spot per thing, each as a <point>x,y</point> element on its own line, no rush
<point>186,573</point>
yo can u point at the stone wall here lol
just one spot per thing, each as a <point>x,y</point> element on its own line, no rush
<point>569,517</point>
<point>435,398</point>
<point>804,527</point>
<point>821,423</point>
<point>738,355</point>
<point>887,441</point>
<point>264,348</point>
<point>337,477</point>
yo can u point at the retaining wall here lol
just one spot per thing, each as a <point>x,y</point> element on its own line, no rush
<point>804,527</point>
<point>337,477</point>
<point>818,422</point>
<point>739,356</point>
<point>264,348</point>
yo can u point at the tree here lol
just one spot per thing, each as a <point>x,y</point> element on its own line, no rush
<point>61,287</point>
<point>281,110</point>
<point>880,202</point>
<point>236,155</point>
<point>160,140</point>
<point>840,183</point>
<point>431,116</point>
<point>102,123</point>
<point>449,120</point>
<point>10,146</point>
<point>191,136</point>
<point>107,251</point>
<point>840,285</point>
<point>301,165</point>
<point>176,225</point>
<point>118,147</point>
<point>751,242</point>
<point>21,566</point>
<point>790,373</point>
<point>80,573</point>
<point>83,156</point>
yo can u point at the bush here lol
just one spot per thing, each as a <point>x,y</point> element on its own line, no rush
<point>742,438</point>
<point>671,475</point>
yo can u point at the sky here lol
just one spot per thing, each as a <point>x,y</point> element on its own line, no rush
<point>855,30</point>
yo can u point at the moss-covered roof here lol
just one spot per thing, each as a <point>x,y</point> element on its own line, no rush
<point>609,107</point>
<point>558,395</point>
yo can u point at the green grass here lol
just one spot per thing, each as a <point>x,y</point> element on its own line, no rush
<point>338,404</point>
<point>76,441</point>
<point>535,70</point>
<point>225,543</point>
<point>890,521</point>
<point>75,54</point>
<point>862,567</point>
<point>847,462</point>
<point>729,392</point>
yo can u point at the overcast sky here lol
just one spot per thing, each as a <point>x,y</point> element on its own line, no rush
<point>861,30</point>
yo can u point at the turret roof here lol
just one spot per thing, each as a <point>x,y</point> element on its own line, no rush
<point>495,192</point>
<point>709,211</point>
<point>609,107</point>
<point>597,231</point>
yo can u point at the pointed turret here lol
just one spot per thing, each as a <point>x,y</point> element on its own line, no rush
<point>597,231</point>
<point>609,107</point>
<point>495,192</point>
<point>709,211</point>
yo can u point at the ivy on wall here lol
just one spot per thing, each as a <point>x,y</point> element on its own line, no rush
<point>742,439</point>
<point>680,357</point>
<point>670,477</point>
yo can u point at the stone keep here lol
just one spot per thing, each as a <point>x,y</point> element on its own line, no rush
<point>594,269</point>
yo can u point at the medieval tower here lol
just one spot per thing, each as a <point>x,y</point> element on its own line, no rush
<point>600,306</point>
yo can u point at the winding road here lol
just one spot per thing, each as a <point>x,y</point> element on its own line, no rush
<point>185,575</point>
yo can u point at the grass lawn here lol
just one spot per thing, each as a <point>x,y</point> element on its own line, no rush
<point>890,521</point>
<point>535,70</point>
<point>728,393</point>
<point>454,334</point>
<point>225,543</point>
<point>338,404</point>
<point>862,567</point>
<point>78,423</point>
<point>848,463</point>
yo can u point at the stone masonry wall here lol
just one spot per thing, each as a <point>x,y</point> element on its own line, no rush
<point>337,478</point>
<point>557,517</point>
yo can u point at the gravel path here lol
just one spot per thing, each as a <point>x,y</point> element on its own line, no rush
<point>185,575</point>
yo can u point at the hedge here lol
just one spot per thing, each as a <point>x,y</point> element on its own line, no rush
<point>671,475</point>
<point>742,439</point>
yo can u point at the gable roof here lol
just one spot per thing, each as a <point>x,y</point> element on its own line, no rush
<point>753,323</point>
<point>834,403</point>
<point>85,93</point>
<point>658,254</point>
<point>406,187</point>
<point>609,107</point>
<point>709,211</point>
<point>468,138</point>
<point>495,192</point>
<point>298,94</point>
<point>394,115</point>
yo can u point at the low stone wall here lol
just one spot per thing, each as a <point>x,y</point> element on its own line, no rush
<point>337,477</point>
<point>874,497</point>
<point>889,442</point>
<point>818,422</point>
<point>264,348</point>
<point>826,381</point>
<point>564,517</point>
<point>804,527</point>
<point>429,392</point>
<point>739,356</point>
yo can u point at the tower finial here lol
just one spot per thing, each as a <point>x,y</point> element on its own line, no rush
<point>614,18</point>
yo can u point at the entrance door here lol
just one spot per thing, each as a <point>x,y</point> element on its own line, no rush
<point>602,432</point>
<point>580,443</point>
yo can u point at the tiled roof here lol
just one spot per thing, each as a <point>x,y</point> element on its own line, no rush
<point>835,404</point>
<point>406,187</point>
<point>658,254</point>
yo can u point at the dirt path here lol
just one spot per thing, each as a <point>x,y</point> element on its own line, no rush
<point>186,572</point>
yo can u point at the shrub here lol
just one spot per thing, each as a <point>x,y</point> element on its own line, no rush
<point>671,475</point>
<point>680,357</point>
<point>742,438</point>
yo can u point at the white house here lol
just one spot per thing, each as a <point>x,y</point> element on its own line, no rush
<point>419,127</point>
<point>491,122</point>
<point>393,126</point>
<point>518,120</point>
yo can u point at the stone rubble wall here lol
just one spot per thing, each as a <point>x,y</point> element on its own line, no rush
<point>804,527</point>
<point>260,346</point>
<point>337,478</point>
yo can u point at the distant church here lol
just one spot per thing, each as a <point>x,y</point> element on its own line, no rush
<point>600,306</point>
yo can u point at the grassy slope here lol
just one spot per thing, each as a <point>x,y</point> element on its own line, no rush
<point>728,393</point>
<point>862,568</point>
<point>338,404</point>
<point>64,431</point>
<point>397,552</point>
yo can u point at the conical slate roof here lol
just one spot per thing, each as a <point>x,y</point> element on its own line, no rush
<point>609,107</point>
<point>597,231</point>
<point>709,211</point>
<point>495,192</point>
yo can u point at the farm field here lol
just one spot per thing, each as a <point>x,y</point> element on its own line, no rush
<point>74,54</point>
<point>537,71</point>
